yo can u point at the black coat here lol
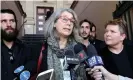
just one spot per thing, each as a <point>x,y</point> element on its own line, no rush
<point>98,44</point>
<point>22,56</point>
<point>36,49</point>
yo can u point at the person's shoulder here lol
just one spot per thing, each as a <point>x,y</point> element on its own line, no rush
<point>129,50</point>
<point>128,42</point>
<point>20,43</point>
<point>92,48</point>
<point>104,50</point>
<point>129,47</point>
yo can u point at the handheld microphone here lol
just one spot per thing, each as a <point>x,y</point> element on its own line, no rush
<point>81,53</point>
<point>19,69</point>
<point>91,59</point>
<point>25,75</point>
<point>21,74</point>
<point>17,72</point>
<point>70,60</point>
<point>95,61</point>
<point>68,63</point>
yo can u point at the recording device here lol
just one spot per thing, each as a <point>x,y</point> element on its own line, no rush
<point>21,73</point>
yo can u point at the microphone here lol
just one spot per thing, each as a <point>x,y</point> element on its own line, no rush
<point>95,61</point>
<point>70,60</point>
<point>25,75</point>
<point>91,59</point>
<point>81,51</point>
<point>21,74</point>
<point>68,63</point>
<point>85,55</point>
<point>17,72</point>
<point>19,69</point>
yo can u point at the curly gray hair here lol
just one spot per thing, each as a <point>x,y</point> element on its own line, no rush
<point>49,25</point>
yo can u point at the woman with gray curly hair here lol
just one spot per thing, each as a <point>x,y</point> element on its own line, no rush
<point>61,32</point>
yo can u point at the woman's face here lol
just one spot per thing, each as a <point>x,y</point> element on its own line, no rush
<point>65,23</point>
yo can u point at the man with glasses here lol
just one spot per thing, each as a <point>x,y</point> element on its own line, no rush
<point>13,52</point>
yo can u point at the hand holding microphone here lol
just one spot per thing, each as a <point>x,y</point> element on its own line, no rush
<point>98,72</point>
<point>103,72</point>
<point>94,62</point>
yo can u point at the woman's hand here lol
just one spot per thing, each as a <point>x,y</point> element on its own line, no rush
<point>99,71</point>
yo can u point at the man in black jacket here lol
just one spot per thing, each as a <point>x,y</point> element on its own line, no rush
<point>13,52</point>
<point>98,44</point>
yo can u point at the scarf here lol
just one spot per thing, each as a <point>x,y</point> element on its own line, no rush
<point>53,56</point>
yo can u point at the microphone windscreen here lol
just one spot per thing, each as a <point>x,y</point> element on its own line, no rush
<point>19,69</point>
<point>82,56</point>
<point>78,48</point>
<point>25,75</point>
<point>71,58</point>
<point>80,51</point>
<point>95,61</point>
<point>69,53</point>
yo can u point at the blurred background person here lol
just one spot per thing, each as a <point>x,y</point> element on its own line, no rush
<point>84,32</point>
<point>98,44</point>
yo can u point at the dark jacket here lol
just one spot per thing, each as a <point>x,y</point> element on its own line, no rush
<point>22,56</point>
<point>36,49</point>
<point>98,44</point>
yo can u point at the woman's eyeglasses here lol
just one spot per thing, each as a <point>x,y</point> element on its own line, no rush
<point>65,19</point>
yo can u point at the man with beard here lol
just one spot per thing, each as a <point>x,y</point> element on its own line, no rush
<point>84,33</point>
<point>13,52</point>
<point>98,44</point>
